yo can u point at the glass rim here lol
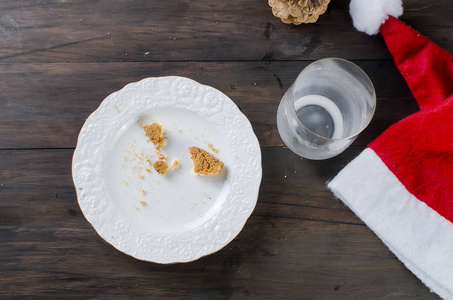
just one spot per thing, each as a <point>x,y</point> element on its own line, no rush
<point>366,76</point>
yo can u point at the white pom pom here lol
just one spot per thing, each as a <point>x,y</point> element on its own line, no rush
<point>369,15</point>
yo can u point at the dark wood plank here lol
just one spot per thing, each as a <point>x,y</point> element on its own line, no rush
<point>45,105</point>
<point>60,58</point>
<point>141,30</point>
<point>300,242</point>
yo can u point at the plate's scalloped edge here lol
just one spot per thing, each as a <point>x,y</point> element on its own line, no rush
<point>147,93</point>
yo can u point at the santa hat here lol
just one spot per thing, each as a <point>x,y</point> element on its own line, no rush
<point>401,185</point>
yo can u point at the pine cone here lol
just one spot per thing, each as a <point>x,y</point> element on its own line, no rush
<point>298,11</point>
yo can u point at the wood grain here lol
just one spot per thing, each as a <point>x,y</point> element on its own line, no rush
<point>45,105</point>
<point>298,242</point>
<point>60,58</point>
<point>180,30</point>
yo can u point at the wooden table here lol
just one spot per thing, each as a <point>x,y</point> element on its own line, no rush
<point>60,59</point>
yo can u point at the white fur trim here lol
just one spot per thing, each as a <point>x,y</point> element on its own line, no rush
<point>369,15</point>
<point>420,237</point>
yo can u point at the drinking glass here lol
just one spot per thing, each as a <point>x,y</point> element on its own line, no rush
<point>324,110</point>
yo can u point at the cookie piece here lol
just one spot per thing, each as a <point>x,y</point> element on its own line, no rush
<point>154,132</point>
<point>160,166</point>
<point>205,163</point>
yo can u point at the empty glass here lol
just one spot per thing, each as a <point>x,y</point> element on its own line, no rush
<point>329,104</point>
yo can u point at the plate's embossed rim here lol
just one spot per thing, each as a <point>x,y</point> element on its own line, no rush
<point>122,106</point>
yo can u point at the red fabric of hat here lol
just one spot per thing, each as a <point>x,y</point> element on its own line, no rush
<point>427,68</point>
<point>422,157</point>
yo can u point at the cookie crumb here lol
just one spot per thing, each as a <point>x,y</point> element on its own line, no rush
<point>160,166</point>
<point>143,203</point>
<point>205,163</point>
<point>143,191</point>
<point>212,148</point>
<point>160,155</point>
<point>174,164</point>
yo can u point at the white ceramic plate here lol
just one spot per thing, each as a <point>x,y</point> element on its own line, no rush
<point>181,216</point>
